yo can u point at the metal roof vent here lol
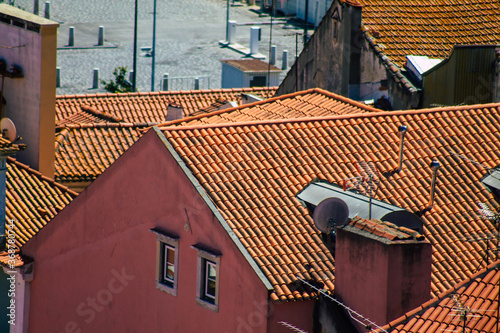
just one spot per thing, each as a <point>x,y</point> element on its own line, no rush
<point>402,131</point>
<point>435,167</point>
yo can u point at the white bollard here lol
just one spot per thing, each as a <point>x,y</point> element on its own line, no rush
<point>71,39</point>
<point>95,81</point>
<point>284,61</point>
<point>254,40</point>
<point>196,84</point>
<point>165,82</point>
<point>100,37</point>
<point>272,61</point>
<point>232,32</point>
<point>58,77</point>
<point>47,10</point>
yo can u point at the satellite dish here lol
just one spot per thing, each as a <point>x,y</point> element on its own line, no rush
<point>404,218</point>
<point>8,129</point>
<point>330,213</point>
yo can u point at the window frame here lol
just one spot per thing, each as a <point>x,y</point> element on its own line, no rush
<point>164,242</point>
<point>205,258</point>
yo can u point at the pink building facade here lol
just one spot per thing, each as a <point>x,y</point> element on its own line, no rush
<point>143,249</point>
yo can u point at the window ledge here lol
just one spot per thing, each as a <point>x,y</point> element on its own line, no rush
<point>165,288</point>
<point>207,305</point>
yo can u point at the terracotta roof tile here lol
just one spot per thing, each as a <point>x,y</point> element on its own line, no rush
<point>144,107</point>
<point>398,28</point>
<point>331,146</point>
<point>474,299</point>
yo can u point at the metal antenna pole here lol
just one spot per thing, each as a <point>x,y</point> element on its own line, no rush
<point>135,49</point>
<point>227,22</point>
<point>153,49</point>
<point>305,23</point>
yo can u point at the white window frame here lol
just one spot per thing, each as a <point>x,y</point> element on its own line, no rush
<point>205,258</point>
<point>164,242</point>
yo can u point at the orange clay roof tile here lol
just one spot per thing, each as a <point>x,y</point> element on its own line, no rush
<point>289,148</point>
<point>145,107</point>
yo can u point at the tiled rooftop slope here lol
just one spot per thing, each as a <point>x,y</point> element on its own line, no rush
<point>476,297</point>
<point>308,103</point>
<point>32,199</point>
<point>386,230</point>
<point>430,27</point>
<point>84,151</point>
<point>252,172</point>
<point>143,107</point>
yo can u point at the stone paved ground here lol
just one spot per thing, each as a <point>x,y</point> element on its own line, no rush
<point>188,35</point>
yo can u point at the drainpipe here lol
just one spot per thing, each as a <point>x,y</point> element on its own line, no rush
<point>435,167</point>
<point>402,131</point>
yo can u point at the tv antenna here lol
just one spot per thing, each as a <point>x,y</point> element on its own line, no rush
<point>463,312</point>
<point>472,161</point>
<point>368,180</point>
<point>291,327</point>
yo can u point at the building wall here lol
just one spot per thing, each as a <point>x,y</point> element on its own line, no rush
<point>232,77</point>
<point>99,250</point>
<point>288,312</point>
<point>31,99</point>
<point>325,62</point>
<point>466,77</point>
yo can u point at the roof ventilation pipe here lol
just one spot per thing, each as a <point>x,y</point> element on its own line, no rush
<point>435,167</point>
<point>402,131</point>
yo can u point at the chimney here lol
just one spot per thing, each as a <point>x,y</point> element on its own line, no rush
<point>381,270</point>
<point>435,168</point>
<point>402,131</point>
<point>174,112</point>
<point>29,43</point>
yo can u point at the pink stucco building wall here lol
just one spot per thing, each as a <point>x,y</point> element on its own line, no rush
<point>95,263</point>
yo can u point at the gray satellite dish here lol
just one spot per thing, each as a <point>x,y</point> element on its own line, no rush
<point>403,218</point>
<point>330,213</point>
<point>8,129</point>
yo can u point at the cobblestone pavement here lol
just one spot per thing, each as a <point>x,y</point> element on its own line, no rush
<point>187,39</point>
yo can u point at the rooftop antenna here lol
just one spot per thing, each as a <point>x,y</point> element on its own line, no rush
<point>402,131</point>
<point>489,214</point>
<point>368,179</point>
<point>435,168</point>
<point>291,327</point>
<point>463,312</point>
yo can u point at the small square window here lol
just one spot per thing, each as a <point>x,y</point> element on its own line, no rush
<point>210,281</point>
<point>167,260</point>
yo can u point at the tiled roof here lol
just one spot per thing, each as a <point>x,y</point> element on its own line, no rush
<point>252,171</point>
<point>308,103</point>
<point>32,199</point>
<point>428,27</point>
<point>143,107</point>
<point>8,148</point>
<point>475,299</point>
<point>251,65</point>
<point>385,230</point>
<point>83,152</point>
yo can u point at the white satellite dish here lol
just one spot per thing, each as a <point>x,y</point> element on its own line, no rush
<point>8,129</point>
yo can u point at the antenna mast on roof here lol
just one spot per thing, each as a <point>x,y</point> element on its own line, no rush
<point>488,214</point>
<point>368,179</point>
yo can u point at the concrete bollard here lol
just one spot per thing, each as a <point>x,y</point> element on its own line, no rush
<point>196,84</point>
<point>164,83</point>
<point>254,40</point>
<point>58,77</point>
<point>36,7</point>
<point>100,37</point>
<point>231,39</point>
<point>47,10</point>
<point>131,76</point>
<point>272,60</point>
<point>284,61</point>
<point>95,82</point>
<point>71,39</point>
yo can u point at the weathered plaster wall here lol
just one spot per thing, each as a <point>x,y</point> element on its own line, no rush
<point>298,314</point>
<point>325,61</point>
<point>100,245</point>
<point>380,280</point>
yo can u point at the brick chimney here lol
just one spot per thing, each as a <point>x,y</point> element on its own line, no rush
<point>29,48</point>
<point>381,270</point>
